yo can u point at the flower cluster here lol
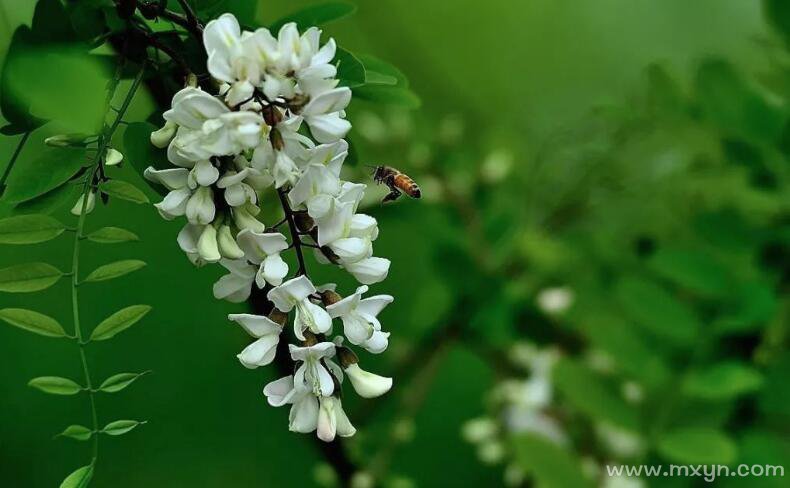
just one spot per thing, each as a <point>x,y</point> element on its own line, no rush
<point>277,124</point>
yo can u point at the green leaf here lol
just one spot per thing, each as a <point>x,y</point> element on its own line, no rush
<point>29,229</point>
<point>120,427</point>
<point>316,15</point>
<point>722,381</point>
<point>115,270</point>
<point>551,465</point>
<point>697,446</point>
<point>28,277</point>
<point>112,235</point>
<point>388,95</point>
<point>350,70</point>
<point>124,191</point>
<point>590,394</point>
<point>49,201</point>
<point>652,307</point>
<point>16,110</point>
<point>697,271</point>
<point>55,385</point>
<point>79,478</point>
<point>49,170</point>
<point>118,382</point>
<point>119,321</point>
<point>79,432</point>
<point>778,13</point>
<point>381,72</point>
<point>736,106</point>
<point>32,321</point>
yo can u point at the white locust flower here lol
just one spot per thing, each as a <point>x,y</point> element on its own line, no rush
<point>295,293</point>
<point>266,331</point>
<point>366,384</point>
<point>314,186</point>
<point>360,325</point>
<point>200,208</point>
<point>332,420</point>
<point>237,285</point>
<point>161,138</point>
<point>324,114</point>
<point>263,249</point>
<point>113,157</point>
<point>175,179</point>
<point>230,58</point>
<point>369,270</point>
<point>303,417</point>
<point>311,372</point>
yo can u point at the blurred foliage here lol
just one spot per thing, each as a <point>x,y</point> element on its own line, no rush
<point>664,211</point>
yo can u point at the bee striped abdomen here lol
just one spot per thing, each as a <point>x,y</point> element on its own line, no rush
<point>405,184</point>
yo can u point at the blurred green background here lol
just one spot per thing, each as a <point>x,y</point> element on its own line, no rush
<point>634,152</point>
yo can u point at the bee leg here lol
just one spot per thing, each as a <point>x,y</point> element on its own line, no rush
<point>391,196</point>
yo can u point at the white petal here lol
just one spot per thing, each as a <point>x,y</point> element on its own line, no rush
<point>329,127</point>
<point>370,270</point>
<point>280,392</point>
<point>260,352</point>
<point>304,415</point>
<point>256,325</point>
<point>377,343</point>
<point>367,385</point>
<point>374,305</point>
<point>274,269</point>
<point>172,179</point>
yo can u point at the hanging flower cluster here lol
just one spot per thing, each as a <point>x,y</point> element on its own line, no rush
<point>278,121</point>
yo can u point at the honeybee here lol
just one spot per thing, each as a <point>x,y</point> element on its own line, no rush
<point>397,182</point>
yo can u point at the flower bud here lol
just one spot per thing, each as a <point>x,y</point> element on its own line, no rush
<point>330,297</point>
<point>65,140</point>
<point>200,208</point>
<point>113,157</point>
<point>278,317</point>
<point>244,220</point>
<point>192,80</point>
<point>303,221</point>
<point>207,245</point>
<point>346,356</point>
<point>77,208</point>
<point>367,385</point>
<point>162,137</point>
<point>227,244</point>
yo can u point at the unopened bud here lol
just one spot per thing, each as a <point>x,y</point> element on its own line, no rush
<point>310,339</point>
<point>276,139</point>
<point>227,244</point>
<point>162,137</point>
<point>113,157</point>
<point>330,297</point>
<point>66,140</point>
<point>278,316</point>
<point>207,245</point>
<point>244,220</point>
<point>192,80</point>
<point>91,203</point>
<point>346,356</point>
<point>303,221</point>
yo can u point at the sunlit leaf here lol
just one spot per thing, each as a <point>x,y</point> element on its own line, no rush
<point>50,169</point>
<point>655,309</point>
<point>350,70</point>
<point>388,95</point>
<point>119,321</point>
<point>79,478</point>
<point>29,229</point>
<point>589,393</point>
<point>316,15</point>
<point>78,432</point>
<point>381,72</point>
<point>32,321</point>
<point>697,446</point>
<point>28,277</point>
<point>16,110</point>
<point>55,385</point>
<point>115,270</point>
<point>694,270</point>
<point>722,380</point>
<point>124,191</point>
<point>112,235</point>
<point>120,381</point>
<point>120,427</point>
<point>552,466</point>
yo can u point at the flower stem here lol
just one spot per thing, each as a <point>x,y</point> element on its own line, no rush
<point>295,239</point>
<point>104,141</point>
<point>14,157</point>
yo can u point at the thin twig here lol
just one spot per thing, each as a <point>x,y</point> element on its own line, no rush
<point>14,157</point>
